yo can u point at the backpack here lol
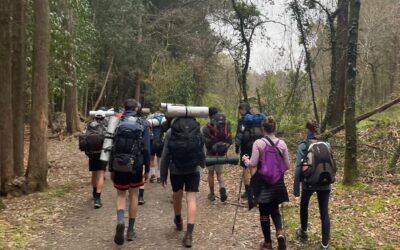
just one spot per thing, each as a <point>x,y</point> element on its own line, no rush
<point>128,145</point>
<point>218,137</point>
<point>186,143</point>
<point>252,129</point>
<point>92,138</point>
<point>322,167</point>
<point>157,131</point>
<point>273,166</point>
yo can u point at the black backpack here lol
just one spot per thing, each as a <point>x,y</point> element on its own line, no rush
<point>253,131</point>
<point>321,169</point>
<point>218,137</point>
<point>92,138</point>
<point>128,145</point>
<point>186,143</point>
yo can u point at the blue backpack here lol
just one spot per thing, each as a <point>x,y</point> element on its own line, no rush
<point>158,135</point>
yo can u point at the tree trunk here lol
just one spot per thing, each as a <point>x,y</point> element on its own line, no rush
<point>6,119</point>
<point>394,160</point>
<point>138,81</point>
<point>341,65</point>
<point>18,81</point>
<point>38,165</point>
<point>96,105</point>
<point>350,163</point>
<point>259,100</point>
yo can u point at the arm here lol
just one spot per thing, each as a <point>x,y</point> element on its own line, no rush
<point>165,160</point>
<point>239,136</point>
<point>285,153</point>
<point>255,155</point>
<point>300,155</point>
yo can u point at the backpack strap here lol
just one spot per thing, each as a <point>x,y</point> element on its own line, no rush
<point>274,145</point>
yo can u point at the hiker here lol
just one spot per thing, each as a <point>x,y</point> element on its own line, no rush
<point>91,141</point>
<point>218,140</point>
<point>249,129</point>
<point>308,159</point>
<point>271,157</point>
<point>140,114</point>
<point>157,144</point>
<point>131,150</point>
<point>183,156</point>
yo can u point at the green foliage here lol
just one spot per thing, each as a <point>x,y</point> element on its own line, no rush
<point>13,236</point>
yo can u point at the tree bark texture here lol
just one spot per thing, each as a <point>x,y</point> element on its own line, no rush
<point>38,165</point>
<point>103,88</point>
<point>394,160</point>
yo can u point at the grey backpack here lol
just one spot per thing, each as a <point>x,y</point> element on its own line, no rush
<point>321,169</point>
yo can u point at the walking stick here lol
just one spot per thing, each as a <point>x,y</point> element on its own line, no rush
<point>238,200</point>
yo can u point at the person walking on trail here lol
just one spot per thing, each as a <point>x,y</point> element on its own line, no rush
<point>91,141</point>
<point>131,150</point>
<point>157,144</point>
<point>249,129</point>
<point>140,114</point>
<point>183,156</point>
<point>271,157</point>
<point>218,138</point>
<point>310,153</point>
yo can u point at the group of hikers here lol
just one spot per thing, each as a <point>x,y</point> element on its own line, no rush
<point>162,147</point>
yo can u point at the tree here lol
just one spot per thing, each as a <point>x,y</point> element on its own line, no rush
<point>36,175</point>
<point>6,124</point>
<point>350,164</point>
<point>18,82</point>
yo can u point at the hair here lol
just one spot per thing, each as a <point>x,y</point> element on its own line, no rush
<point>269,125</point>
<point>245,106</point>
<point>212,111</point>
<point>131,104</point>
<point>313,126</point>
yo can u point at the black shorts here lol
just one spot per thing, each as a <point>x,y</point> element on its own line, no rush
<point>95,164</point>
<point>156,149</point>
<point>124,181</point>
<point>191,182</point>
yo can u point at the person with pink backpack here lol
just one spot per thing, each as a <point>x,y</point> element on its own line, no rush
<point>271,157</point>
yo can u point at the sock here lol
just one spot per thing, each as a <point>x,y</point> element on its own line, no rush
<point>158,173</point>
<point>324,247</point>
<point>212,190</point>
<point>178,218</point>
<point>94,191</point>
<point>152,171</point>
<point>121,216</point>
<point>221,184</point>
<point>97,195</point>
<point>131,224</point>
<point>141,193</point>
<point>190,228</point>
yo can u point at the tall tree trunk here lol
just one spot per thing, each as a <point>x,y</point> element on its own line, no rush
<point>38,165</point>
<point>18,81</point>
<point>341,65</point>
<point>6,119</point>
<point>350,163</point>
<point>103,88</point>
<point>394,160</point>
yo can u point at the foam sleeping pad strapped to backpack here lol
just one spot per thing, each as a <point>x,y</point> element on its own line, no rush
<point>92,138</point>
<point>186,143</point>
<point>273,166</point>
<point>219,137</point>
<point>128,145</point>
<point>320,166</point>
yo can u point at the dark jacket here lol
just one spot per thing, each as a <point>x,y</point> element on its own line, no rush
<point>239,143</point>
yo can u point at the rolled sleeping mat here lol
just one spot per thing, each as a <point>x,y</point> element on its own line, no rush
<point>221,160</point>
<point>184,111</point>
<point>155,123</point>
<point>101,113</point>
<point>145,111</point>
<point>108,141</point>
<point>164,106</point>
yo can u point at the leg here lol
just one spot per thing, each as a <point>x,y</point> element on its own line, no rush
<point>191,206</point>
<point>192,183</point>
<point>304,202</point>
<point>222,189</point>
<point>211,195</point>
<point>94,181</point>
<point>265,223</point>
<point>119,234</point>
<point>323,202</point>
<point>133,207</point>
<point>121,196</point>
<point>177,196</point>
<point>152,168</point>
<point>277,219</point>
<point>100,181</point>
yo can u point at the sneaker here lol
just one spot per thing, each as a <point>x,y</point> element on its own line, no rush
<point>281,240</point>
<point>187,241</point>
<point>131,235</point>
<point>141,200</point>
<point>97,203</point>
<point>158,180</point>
<point>302,235</point>
<point>119,234</point>
<point>222,192</point>
<point>322,247</point>
<point>211,197</point>
<point>266,245</point>
<point>179,225</point>
<point>152,178</point>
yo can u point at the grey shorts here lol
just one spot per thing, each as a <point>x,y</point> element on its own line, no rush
<point>216,168</point>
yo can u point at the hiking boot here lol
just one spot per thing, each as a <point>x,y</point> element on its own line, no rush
<point>281,240</point>
<point>152,178</point>
<point>222,192</point>
<point>322,247</point>
<point>211,197</point>
<point>187,241</point>
<point>302,235</point>
<point>97,203</point>
<point>265,245</point>
<point>244,195</point>
<point>119,234</point>
<point>141,200</point>
<point>179,225</point>
<point>158,180</point>
<point>131,235</point>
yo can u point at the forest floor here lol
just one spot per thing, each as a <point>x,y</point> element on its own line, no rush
<point>363,217</point>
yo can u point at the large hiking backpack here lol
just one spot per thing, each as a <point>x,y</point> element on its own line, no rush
<point>92,138</point>
<point>128,145</point>
<point>273,166</point>
<point>157,131</point>
<point>219,136</point>
<point>186,143</point>
<point>252,130</point>
<point>321,165</point>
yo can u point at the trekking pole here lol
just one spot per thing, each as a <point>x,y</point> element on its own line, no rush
<point>238,200</point>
